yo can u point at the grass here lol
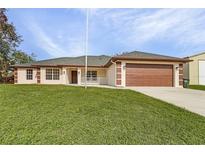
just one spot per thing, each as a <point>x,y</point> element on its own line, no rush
<point>51,114</point>
<point>197,87</point>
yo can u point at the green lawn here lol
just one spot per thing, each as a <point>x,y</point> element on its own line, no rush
<point>197,87</point>
<point>42,114</point>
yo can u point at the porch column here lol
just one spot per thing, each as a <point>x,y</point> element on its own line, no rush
<point>123,74</point>
<point>15,75</point>
<point>176,75</point>
<point>64,75</point>
<point>118,74</point>
<point>79,76</point>
<point>38,75</point>
<point>181,75</point>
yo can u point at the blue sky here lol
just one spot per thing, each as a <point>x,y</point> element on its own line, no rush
<point>61,32</point>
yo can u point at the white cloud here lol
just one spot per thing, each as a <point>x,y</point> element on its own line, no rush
<point>134,28</point>
<point>177,24</point>
<point>56,47</point>
<point>184,28</point>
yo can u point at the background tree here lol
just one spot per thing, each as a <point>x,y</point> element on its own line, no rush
<point>9,41</point>
<point>20,57</point>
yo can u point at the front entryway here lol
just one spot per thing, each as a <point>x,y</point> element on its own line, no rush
<point>74,77</point>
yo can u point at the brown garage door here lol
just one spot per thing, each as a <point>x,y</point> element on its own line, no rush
<point>149,75</point>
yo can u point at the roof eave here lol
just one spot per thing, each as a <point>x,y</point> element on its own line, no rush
<point>35,66</point>
<point>152,59</point>
<point>195,55</point>
<point>114,59</point>
<point>65,65</point>
<point>21,66</point>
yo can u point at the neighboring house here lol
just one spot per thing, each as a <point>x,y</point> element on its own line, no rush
<point>195,70</point>
<point>129,69</point>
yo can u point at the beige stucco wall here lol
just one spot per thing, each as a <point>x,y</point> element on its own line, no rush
<point>123,74</point>
<point>21,76</point>
<point>111,75</point>
<point>194,68</point>
<point>186,71</point>
<point>65,74</point>
<point>43,77</point>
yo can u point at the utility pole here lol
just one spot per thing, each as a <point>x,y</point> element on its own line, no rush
<point>86,46</point>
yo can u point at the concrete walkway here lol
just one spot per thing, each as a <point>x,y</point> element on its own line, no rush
<point>192,100</point>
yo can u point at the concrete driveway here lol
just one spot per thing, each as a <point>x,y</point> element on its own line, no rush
<point>192,100</point>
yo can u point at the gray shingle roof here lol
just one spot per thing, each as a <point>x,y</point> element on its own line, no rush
<point>198,54</point>
<point>75,61</point>
<point>139,54</point>
<point>99,61</point>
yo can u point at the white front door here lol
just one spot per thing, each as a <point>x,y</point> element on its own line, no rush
<point>202,72</point>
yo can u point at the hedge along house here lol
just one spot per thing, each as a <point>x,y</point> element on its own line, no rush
<point>129,69</point>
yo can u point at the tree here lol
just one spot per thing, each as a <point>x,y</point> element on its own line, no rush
<point>9,41</point>
<point>122,53</point>
<point>20,57</point>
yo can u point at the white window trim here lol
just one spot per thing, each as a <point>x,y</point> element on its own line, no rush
<point>52,75</point>
<point>92,76</point>
<point>29,74</point>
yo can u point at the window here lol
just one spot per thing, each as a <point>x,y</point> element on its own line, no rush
<point>48,74</point>
<point>52,74</point>
<point>92,75</point>
<point>29,74</point>
<point>55,74</point>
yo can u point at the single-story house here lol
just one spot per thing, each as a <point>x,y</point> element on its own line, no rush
<point>195,69</point>
<point>129,69</point>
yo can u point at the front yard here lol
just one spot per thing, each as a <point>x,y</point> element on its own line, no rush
<point>197,87</point>
<point>51,114</point>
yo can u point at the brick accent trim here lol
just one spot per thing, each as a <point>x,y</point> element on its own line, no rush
<point>38,75</point>
<point>118,73</point>
<point>15,75</point>
<point>180,74</point>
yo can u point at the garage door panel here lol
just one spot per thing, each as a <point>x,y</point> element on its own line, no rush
<point>149,75</point>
